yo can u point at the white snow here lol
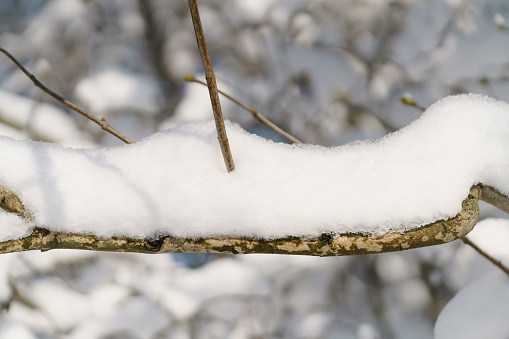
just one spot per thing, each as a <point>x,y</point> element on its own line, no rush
<point>253,10</point>
<point>184,296</point>
<point>12,330</point>
<point>477,311</point>
<point>58,299</point>
<point>42,121</point>
<point>118,90</point>
<point>175,182</point>
<point>499,20</point>
<point>12,226</point>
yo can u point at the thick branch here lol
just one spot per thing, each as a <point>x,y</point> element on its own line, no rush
<point>326,245</point>
<point>211,84</point>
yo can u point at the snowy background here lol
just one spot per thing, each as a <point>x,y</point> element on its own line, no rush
<point>329,72</point>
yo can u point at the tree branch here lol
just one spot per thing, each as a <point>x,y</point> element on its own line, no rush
<point>486,255</point>
<point>101,122</point>
<point>253,111</point>
<point>439,232</point>
<point>493,197</point>
<point>211,84</point>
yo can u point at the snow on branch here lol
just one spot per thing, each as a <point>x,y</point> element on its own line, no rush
<point>168,193</point>
<point>325,245</point>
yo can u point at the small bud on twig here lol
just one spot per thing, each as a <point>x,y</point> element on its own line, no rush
<point>408,99</point>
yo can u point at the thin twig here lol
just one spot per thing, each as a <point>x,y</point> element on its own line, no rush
<point>253,111</point>
<point>101,122</point>
<point>211,84</point>
<point>486,255</point>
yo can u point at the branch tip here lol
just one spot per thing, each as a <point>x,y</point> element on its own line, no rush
<point>189,78</point>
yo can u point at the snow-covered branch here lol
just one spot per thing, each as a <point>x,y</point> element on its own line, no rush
<point>167,193</point>
<point>325,245</point>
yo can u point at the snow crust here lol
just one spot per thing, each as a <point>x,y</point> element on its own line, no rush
<point>174,182</point>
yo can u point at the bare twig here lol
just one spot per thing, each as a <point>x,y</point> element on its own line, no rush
<point>486,255</point>
<point>101,122</point>
<point>253,111</point>
<point>211,84</point>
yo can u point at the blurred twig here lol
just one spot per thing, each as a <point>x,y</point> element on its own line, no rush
<point>486,255</point>
<point>253,111</point>
<point>155,42</point>
<point>211,84</point>
<point>408,100</point>
<point>101,122</point>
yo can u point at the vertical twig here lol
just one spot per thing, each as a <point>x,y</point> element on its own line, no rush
<point>211,84</point>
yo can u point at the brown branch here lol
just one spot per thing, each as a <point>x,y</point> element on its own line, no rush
<point>486,255</point>
<point>211,84</point>
<point>10,203</point>
<point>253,111</point>
<point>439,232</point>
<point>101,122</point>
<point>495,198</point>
